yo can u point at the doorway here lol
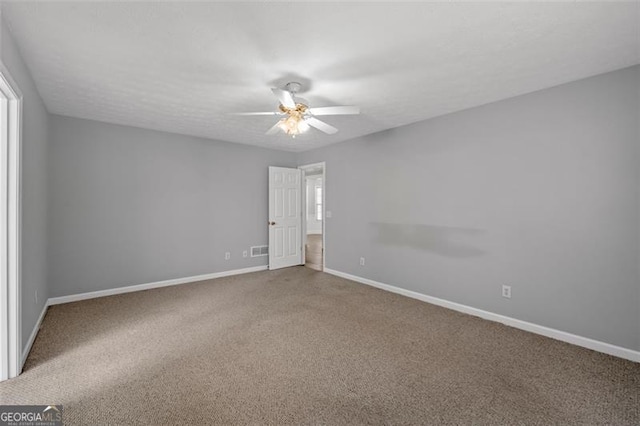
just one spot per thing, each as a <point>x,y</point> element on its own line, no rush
<point>10,327</point>
<point>313,195</point>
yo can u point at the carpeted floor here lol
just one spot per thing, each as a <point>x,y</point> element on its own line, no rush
<point>296,346</point>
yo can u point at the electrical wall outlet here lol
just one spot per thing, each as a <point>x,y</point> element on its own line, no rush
<point>362,261</point>
<point>506,291</point>
<point>227,256</point>
<point>245,253</point>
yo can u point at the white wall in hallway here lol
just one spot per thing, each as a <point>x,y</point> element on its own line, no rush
<point>314,226</point>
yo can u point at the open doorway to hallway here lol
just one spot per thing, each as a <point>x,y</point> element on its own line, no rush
<point>313,224</point>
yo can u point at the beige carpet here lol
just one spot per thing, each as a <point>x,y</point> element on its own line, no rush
<point>297,346</point>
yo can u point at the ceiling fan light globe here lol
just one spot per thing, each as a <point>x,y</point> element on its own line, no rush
<point>303,126</point>
<point>292,122</point>
<point>290,125</point>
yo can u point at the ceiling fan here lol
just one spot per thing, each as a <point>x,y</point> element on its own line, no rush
<point>297,116</point>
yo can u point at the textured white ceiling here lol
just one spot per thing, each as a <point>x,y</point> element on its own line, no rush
<point>182,67</point>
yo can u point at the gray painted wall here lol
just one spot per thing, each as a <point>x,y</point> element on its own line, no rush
<point>34,186</point>
<point>132,206</point>
<point>540,192</point>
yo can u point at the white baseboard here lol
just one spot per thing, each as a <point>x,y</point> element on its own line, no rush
<point>32,337</point>
<point>148,286</point>
<point>585,342</point>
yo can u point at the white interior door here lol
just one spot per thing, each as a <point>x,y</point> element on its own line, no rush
<point>285,218</point>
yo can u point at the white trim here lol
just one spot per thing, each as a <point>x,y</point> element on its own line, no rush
<point>148,286</point>
<point>32,338</point>
<point>585,342</point>
<point>303,196</point>
<point>303,214</point>
<point>10,222</point>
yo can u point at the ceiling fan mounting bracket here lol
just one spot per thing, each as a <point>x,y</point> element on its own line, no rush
<point>293,87</point>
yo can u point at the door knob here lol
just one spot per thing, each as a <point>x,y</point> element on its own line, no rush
<point>271,223</point>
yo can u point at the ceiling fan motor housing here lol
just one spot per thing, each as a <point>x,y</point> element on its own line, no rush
<point>293,87</point>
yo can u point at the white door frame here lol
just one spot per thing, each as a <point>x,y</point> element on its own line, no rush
<point>10,205</point>
<point>303,197</point>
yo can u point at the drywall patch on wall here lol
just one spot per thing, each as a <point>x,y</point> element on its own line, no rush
<point>441,240</point>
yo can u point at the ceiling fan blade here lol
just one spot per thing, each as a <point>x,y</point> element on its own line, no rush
<point>335,110</point>
<point>284,97</point>
<point>256,113</point>
<point>274,129</point>
<point>321,125</point>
